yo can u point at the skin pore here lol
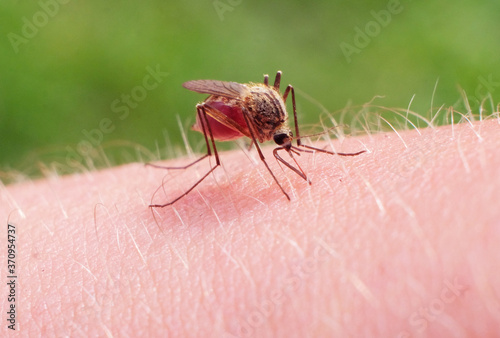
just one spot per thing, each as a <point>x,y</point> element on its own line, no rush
<point>401,241</point>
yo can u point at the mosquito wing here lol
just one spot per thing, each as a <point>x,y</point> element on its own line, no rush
<point>232,90</point>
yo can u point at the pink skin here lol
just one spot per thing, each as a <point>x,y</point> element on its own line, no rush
<point>401,241</point>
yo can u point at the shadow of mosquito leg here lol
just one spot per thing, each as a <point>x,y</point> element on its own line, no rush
<point>206,130</point>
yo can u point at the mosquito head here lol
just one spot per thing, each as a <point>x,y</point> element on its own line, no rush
<point>283,138</point>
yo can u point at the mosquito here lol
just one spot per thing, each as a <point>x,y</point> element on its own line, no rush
<point>253,110</point>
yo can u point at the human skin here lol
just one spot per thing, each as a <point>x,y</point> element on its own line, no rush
<point>400,241</point>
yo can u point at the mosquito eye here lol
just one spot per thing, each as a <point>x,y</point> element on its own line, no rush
<point>280,138</point>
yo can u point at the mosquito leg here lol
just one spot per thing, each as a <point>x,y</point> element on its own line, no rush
<point>285,95</point>
<point>183,167</point>
<point>287,91</point>
<point>262,158</point>
<point>297,133</point>
<point>201,113</point>
<point>206,130</point>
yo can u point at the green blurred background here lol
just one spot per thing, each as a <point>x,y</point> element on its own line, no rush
<point>65,66</point>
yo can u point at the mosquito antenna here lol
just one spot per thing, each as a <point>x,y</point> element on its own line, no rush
<point>277,80</point>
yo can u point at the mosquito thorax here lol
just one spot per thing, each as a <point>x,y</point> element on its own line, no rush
<point>267,110</point>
